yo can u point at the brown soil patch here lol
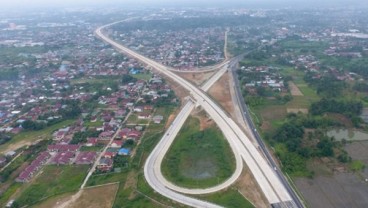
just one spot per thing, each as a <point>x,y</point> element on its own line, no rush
<point>294,90</point>
<point>220,91</point>
<point>204,121</point>
<point>273,113</point>
<point>266,126</point>
<point>249,188</point>
<point>341,119</point>
<point>99,197</point>
<point>297,110</point>
<point>180,92</point>
<point>195,77</point>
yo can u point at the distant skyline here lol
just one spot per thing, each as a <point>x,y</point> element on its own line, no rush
<point>171,3</point>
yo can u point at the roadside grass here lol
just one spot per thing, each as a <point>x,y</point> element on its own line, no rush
<point>195,153</point>
<point>53,180</point>
<point>229,198</point>
<point>32,136</point>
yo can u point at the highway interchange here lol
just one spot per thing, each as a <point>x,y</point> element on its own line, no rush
<point>268,178</point>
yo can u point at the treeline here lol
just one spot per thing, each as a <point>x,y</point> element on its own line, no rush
<point>327,86</point>
<point>350,108</point>
<point>295,146</point>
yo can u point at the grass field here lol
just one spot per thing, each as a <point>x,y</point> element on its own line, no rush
<point>142,76</point>
<point>93,124</point>
<point>100,179</point>
<point>230,198</point>
<point>52,181</point>
<point>93,148</point>
<point>30,136</point>
<point>198,158</point>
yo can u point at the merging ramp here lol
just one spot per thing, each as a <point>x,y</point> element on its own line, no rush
<point>270,184</point>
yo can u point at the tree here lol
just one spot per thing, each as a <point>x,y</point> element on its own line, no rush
<point>127,79</point>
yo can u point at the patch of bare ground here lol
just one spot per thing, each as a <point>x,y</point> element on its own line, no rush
<point>272,113</point>
<point>294,90</point>
<point>341,119</point>
<point>297,110</point>
<point>204,121</point>
<point>55,201</point>
<point>180,92</point>
<point>98,197</point>
<point>220,91</point>
<point>249,188</point>
<point>195,77</point>
<point>266,126</point>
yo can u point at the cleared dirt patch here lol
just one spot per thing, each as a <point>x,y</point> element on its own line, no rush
<point>297,110</point>
<point>197,78</point>
<point>249,188</point>
<point>294,90</point>
<point>220,91</point>
<point>99,197</point>
<point>273,113</point>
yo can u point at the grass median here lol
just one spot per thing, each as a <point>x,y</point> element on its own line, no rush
<point>198,158</point>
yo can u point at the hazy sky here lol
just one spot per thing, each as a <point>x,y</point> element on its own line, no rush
<point>214,3</point>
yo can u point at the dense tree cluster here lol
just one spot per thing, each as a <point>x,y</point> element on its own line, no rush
<point>80,137</point>
<point>127,79</point>
<point>350,108</point>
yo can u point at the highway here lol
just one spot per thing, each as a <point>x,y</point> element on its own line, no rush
<point>246,116</point>
<point>272,187</point>
<point>154,161</point>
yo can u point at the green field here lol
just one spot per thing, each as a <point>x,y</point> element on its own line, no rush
<point>31,136</point>
<point>198,158</point>
<point>99,179</point>
<point>230,198</point>
<point>142,76</point>
<point>93,124</point>
<point>52,181</point>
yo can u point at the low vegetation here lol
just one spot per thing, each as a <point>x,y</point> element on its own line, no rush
<point>52,181</point>
<point>198,158</point>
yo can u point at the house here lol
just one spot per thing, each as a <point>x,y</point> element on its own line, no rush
<point>85,158</point>
<point>144,116</point>
<point>134,134</point>
<point>63,147</point>
<point>106,135</point>
<point>148,107</point>
<point>105,164</point>
<point>124,151</point>
<point>91,142</point>
<point>109,154</point>
<point>2,161</point>
<point>117,143</point>
<point>138,109</point>
<point>30,170</point>
<point>10,154</point>
<point>157,119</point>
<point>62,158</point>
